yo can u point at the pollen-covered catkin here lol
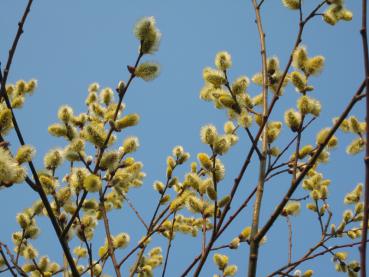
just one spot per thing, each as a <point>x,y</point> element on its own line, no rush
<point>53,159</point>
<point>6,123</point>
<point>223,60</point>
<point>146,32</point>
<point>130,145</point>
<point>25,154</point>
<point>92,183</point>
<point>127,121</point>
<point>292,119</point>
<point>147,71</point>
<point>291,4</point>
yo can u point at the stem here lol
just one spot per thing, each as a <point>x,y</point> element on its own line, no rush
<point>254,244</point>
<point>289,239</point>
<point>170,239</point>
<point>150,229</point>
<point>363,245</point>
<point>130,204</point>
<point>108,235</point>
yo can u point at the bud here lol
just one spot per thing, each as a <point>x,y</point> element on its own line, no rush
<point>300,58</point>
<point>245,234</point>
<point>299,81</point>
<point>223,60</point>
<point>240,84</point>
<point>130,144</point>
<point>205,161</point>
<point>147,71</point>
<point>121,240</point>
<point>147,33</point>
<point>92,183</point>
<point>5,121</point>
<point>25,154</point>
<point>214,77</point>
<point>220,260</point>
<point>208,134</point>
<point>291,4</point>
<point>106,96</point>
<point>315,65</point>
<point>53,159</point>
<point>230,270</point>
<point>65,114</point>
<point>292,119</point>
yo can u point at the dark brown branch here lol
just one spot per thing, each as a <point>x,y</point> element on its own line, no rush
<point>364,237</point>
<point>254,143</point>
<point>170,239</point>
<point>21,23</point>
<point>3,79</point>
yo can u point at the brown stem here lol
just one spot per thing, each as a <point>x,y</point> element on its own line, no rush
<point>108,235</point>
<point>170,239</point>
<point>150,228</point>
<point>254,244</point>
<point>130,204</point>
<point>364,237</point>
<point>289,239</point>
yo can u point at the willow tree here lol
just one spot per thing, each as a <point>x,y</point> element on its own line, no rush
<point>102,170</point>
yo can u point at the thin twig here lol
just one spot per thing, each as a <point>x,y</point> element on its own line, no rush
<point>289,239</point>
<point>130,204</point>
<point>170,239</point>
<point>3,80</point>
<point>288,146</point>
<point>108,235</point>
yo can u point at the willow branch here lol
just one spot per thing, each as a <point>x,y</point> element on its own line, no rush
<point>364,237</point>
<point>170,239</point>
<point>45,201</point>
<point>254,244</point>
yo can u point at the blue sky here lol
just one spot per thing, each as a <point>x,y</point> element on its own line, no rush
<point>69,44</point>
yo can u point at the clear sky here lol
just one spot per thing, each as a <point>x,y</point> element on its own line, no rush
<point>69,44</point>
